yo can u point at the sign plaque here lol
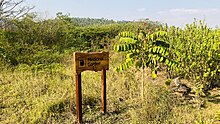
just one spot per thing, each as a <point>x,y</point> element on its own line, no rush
<point>96,61</point>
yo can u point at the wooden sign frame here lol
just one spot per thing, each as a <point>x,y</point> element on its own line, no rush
<point>95,61</point>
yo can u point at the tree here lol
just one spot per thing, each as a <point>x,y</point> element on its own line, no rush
<point>144,50</point>
<point>11,9</point>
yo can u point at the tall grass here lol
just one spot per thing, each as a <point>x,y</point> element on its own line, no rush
<point>45,96</point>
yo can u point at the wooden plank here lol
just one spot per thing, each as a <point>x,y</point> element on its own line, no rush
<point>96,61</point>
<point>78,98</point>
<point>103,78</point>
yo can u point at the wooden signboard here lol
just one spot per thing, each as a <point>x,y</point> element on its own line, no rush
<point>95,61</point>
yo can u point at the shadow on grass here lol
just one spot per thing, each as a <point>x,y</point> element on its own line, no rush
<point>214,96</point>
<point>113,115</point>
<point>214,99</point>
<point>103,116</point>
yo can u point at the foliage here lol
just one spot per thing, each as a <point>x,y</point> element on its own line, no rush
<point>144,50</point>
<point>197,48</point>
<point>4,56</point>
<point>34,41</point>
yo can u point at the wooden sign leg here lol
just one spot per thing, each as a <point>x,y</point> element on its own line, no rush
<point>78,98</point>
<point>103,78</point>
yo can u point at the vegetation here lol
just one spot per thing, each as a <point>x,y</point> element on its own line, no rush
<point>197,48</point>
<point>37,81</point>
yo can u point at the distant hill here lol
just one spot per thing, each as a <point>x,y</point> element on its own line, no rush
<point>95,21</point>
<point>92,21</point>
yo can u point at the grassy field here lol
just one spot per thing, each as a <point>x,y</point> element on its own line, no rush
<point>48,96</point>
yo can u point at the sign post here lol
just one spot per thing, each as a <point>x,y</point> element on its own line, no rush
<point>78,98</point>
<point>103,78</point>
<point>95,61</point>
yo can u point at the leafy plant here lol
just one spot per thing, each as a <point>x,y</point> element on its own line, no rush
<point>144,50</point>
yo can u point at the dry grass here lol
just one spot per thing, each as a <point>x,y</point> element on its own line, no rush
<point>49,97</point>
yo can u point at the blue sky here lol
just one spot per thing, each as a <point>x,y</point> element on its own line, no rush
<point>173,12</point>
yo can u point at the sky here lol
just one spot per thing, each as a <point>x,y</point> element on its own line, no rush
<point>172,12</point>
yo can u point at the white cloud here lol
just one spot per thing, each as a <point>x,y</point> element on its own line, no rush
<point>162,12</point>
<point>141,9</point>
<point>213,11</point>
<point>187,11</point>
<point>182,16</point>
<point>179,11</point>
